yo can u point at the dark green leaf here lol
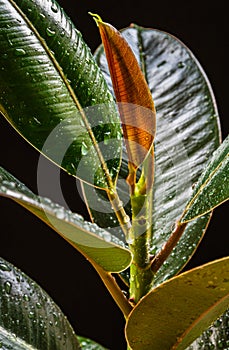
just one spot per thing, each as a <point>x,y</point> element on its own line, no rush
<point>187,135</point>
<point>212,188</point>
<point>93,242</point>
<point>215,337</point>
<point>48,80</point>
<point>196,299</point>
<point>29,319</point>
<point>88,344</point>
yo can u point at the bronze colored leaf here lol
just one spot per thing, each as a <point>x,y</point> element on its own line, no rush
<point>134,98</point>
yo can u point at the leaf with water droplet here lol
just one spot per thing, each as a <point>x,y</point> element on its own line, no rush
<point>68,80</point>
<point>19,326</point>
<point>191,303</point>
<point>212,189</point>
<point>97,244</point>
<point>187,135</point>
<point>88,344</point>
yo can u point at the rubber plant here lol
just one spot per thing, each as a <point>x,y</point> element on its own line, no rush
<point>138,125</point>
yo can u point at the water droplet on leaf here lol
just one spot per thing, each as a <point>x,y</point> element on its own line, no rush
<point>50,32</point>
<point>20,52</point>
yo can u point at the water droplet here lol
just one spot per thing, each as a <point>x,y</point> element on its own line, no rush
<point>26,297</point>
<point>4,267</point>
<point>20,52</point>
<point>54,7</point>
<point>107,137</point>
<point>84,149</point>
<point>8,287</point>
<point>161,63</point>
<point>38,305</point>
<point>181,64</point>
<point>60,214</point>
<point>31,314</point>
<point>50,32</point>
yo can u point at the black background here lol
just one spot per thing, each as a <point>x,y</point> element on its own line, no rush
<point>35,249</point>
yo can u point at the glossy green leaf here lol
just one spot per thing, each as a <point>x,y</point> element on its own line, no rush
<point>53,93</point>
<point>215,337</point>
<point>212,188</point>
<point>96,244</point>
<point>196,299</point>
<point>187,134</point>
<point>88,344</point>
<point>29,319</point>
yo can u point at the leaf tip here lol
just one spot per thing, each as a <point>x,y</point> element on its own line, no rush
<point>96,17</point>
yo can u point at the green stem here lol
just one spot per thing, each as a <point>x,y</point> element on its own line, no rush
<point>120,213</point>
<point>141,275</point>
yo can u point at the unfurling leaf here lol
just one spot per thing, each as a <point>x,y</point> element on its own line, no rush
<point>132,93</point>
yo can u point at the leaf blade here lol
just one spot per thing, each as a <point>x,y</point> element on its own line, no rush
<point>134,99</point>
<point>212,188</point>
<point>38,96</point>
<point>193,296</point>
<point>23,302</point>
<point>93,242</point>
<point>185,102</point>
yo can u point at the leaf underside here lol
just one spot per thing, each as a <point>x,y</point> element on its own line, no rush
<point>96,244</point>
<point>187,134</point>
<point>29,319</point>
<point>196,299</point>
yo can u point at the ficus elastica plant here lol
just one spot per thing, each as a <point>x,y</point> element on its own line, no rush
<point>137,124</point>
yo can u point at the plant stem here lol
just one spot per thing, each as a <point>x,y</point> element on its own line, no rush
<point>141,275</point>
<point>168,247</point>
<point>120,213</point>
<point>114,289</point>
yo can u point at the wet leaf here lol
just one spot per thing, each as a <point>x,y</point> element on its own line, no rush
<point>53,93</point>
<point>88,344</point>
<point>96,244</point>
<point>196,299</point>
<point>132,93</point>
<point>29,319</point>
<point>212,188</point>
<point>215,337</point>
<point>187,135</point>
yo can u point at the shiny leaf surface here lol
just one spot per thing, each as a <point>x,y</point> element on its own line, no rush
<point>96,244</point>
<point>196,299</point>
<point>187,135</point>
<point>53,93</point>
<point>29,319</point>
<point>212,188</point>
<point>88,344</point>
<point>132,93</point>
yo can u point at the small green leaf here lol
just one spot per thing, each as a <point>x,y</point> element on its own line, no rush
<point>29,319</point>
<point>174,314</point>
<point>53,93</point>
<point>88,344</point>
<point>93,242</point>
<point>212,188</point>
